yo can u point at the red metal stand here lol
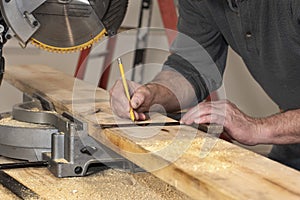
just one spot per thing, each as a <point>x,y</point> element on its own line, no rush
<point>169,17</point>
<point>82,63</point>
<point>103,81</point>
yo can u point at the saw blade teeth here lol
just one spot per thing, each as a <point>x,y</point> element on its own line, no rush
<point>73,49</point>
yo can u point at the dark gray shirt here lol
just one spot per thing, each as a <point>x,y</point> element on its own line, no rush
<point>265,33</point>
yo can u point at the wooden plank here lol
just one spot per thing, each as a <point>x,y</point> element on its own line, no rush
<point>6,194</point>
<point>199,165</point>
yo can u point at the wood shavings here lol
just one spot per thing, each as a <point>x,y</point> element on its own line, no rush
<point>189,151</point>
<point>107,185</point>
<point>61,160</point>
<point>8,121</point>
<point>6,194</point>
<point>35,109</point>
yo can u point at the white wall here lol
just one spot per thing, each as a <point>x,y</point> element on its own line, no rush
<point>15,55</point>
<point>244,91</point>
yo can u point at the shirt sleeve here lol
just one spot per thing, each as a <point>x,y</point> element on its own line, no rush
<point>199,51</point>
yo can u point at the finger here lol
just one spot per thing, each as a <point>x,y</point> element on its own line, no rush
<point>119,102</point>
<point>217,107</point>
<point>142,116</point>
<point>120,107</point>
<point>215,118</point>
<point>120,111</point>
<point>201,106</point>
<point>190,112</point>
<point>202,110</point>
<point>137,100</point>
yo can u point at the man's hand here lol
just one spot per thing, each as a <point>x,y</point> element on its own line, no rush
<point>238,125</point>
<point>140,100</point>
<point>161,94</point>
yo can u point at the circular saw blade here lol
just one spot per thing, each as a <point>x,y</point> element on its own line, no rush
<point>69,25</point>
<point>63,25</point>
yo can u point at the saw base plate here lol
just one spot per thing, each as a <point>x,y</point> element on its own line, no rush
<point>25,141</point>
<point>33,131</point>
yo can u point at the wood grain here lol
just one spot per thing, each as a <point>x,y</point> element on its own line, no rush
<point>6,194</point>
<point>201,166</point>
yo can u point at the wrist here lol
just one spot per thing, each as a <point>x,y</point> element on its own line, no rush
<point>263,131</point>
<point>162,98</point>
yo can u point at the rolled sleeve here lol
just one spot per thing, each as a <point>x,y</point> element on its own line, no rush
<point>199,52</point>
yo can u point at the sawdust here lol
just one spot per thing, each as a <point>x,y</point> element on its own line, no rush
<point>6,194</point>
<point>204,154</point>
<point>166,191</point>
<point>8,121</point>
<point>107,185</point>
<point>61,160</point>
<point>35,109</point>
<point>44,111</point>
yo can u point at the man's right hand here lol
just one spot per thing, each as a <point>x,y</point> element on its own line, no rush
<point>141,99</point>
<point>169,91</point>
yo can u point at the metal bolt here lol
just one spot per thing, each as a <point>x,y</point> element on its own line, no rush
<point>35,23</point>
<point>78,170</point>
<point>8,36</point>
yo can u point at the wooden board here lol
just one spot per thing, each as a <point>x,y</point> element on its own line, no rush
<point>203,167</point>
<point>6,194</point>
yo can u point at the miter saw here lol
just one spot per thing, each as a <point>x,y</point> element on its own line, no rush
<point>59,141</point>
<point>59,25</point>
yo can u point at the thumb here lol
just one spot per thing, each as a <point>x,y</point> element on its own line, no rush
<point>137,100</point>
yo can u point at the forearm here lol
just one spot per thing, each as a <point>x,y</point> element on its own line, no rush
<point>172,91</point>
<point>282,128</point>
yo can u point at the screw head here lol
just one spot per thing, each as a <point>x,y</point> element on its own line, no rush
<point>8,36</point>
<point>78,170</point>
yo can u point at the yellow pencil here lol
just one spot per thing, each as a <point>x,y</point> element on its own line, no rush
<point>132,117</point>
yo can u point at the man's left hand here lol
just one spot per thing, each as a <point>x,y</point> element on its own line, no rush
<point>238,125</point>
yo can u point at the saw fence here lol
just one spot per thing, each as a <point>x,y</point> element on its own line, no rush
<point>196,164</point>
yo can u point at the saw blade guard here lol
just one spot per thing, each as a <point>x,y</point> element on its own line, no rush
<point>63,25</point>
